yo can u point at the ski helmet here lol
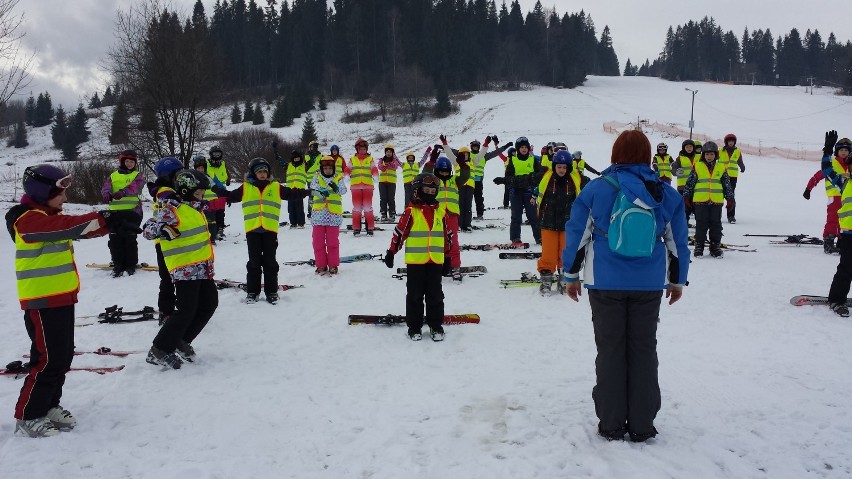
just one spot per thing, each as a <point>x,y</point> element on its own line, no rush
<point>443,164</point>
<point>166,166</point>
<point>559,146</point>
<point>687,142</point>
<point>328,161</point>
<point>425,179</point>
<point>259,164</point>
<point>577,155</point>
<point>843,143</point>
<point>562,157</point>
<point>361,142</point>
<point>522,141</point>
<point>411,155</point>
<point>464,149</point>
<point>389,147</point>
<point>697,144</point>
<point>511,151</point>
<point>313,143</point>
<point>216,156</point>
<point>475,143</point>
<point>663,146</point>
<point>709,147</point>
<point>43,182</point>
<point>187,182</point>
<point>730,136</point>
<point>199,160</point>
<point>334,148</point>
<point>127,155</point>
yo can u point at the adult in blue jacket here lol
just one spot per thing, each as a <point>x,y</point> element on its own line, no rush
<point>625,293</point>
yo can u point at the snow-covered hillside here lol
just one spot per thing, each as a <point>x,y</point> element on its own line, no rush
<point>752,386</point>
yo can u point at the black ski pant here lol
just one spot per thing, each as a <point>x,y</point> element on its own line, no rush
<point>687,209</point>
<point>731,205</point>
<point>843,277</point>
<point>708,216</point>
<point>296,210</point>
<point>261,251</point>
<point>51,332</point>
<point>408,192</point>
<point>505,196</point>
<point>465,207</point>
<point>220,222</point>
<point>197,300</point>
<point>212,226</point>
<point>423,282</point>
<point>123,248</point>
<point>520,204</point>
<point>166,296</point>
<point>479,197</point>
<point>627,391</point>
<point>387,199</point>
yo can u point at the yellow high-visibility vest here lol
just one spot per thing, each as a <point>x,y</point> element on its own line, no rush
<point>361,174</point>
<point>664,165</point>
<point>209,194</point>
<point>44,269</point>
<point>387,176</point>
<point>119,181</point>
<point>193,245</point>
<point>478,162</point>
<point>333,201</point>
<point>219,172</point>
<point>831,190</point>
<point>545,181</point>
<point>523,167</point>
<point>684,163</point>
<point>315,165</point>
<point>425,243</point>
<point>261,209</point>
<point>448,196</point>
<point>297,176</point>
<point>731,161</point>
<point>409,171</point>
<point>844,214</point>
<point>579,165</point>
<point>709,186</point>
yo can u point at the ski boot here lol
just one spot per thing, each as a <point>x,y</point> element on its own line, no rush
<point>131,270</point>
<point>716,250</point>
<point>732,220</point>
<point>39,427</point>
<point>698,250</point>
<point>185,351</point>
<point>61,418</point>
<point>332,270</point>
<point>356,233</point>
<point>546,283</point>
<point>159,357</point>
<point>560,286</point>
<point>117,272</point>
<point>840,309</point>
<point>457,276</point>
<point>369,232</point>
<point>415,335</point>
<point>321,271</point>
<point>436,334</point>
<point>828,245</point>
<point>272,298</point>
<point>251,298</point>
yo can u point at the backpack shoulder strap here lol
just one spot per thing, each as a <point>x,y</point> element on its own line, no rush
<point>612,182</point>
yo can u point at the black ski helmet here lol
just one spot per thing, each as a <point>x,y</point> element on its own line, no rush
<point>425,179</point>
<point>199,160</point>
<point>216,156</point>
<point>187,182</point>
<point>259,164</point>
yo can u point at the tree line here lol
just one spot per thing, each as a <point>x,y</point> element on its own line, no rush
<point>700,51</point>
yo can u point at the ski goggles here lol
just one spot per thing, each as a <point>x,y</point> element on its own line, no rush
<point>62,183</point>
<point>431,181</point>
<point>216,154</point>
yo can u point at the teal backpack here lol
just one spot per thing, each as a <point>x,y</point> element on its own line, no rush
<point>632,228</point>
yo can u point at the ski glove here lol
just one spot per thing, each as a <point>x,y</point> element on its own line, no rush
<point>118,225</point>
<point>333,187</point>
<point>169,232</point>
<point>499,180</point>
<point>447,269</point>
<point>495,140</point>
<point>388,259</point>
<point>807,193</point>
<point>118,195</point>
<point>444,139</point>
<point>830,140</point>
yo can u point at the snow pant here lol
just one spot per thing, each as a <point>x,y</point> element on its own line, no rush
<point>832,222</point>
<point>220,222</point>
<point>123,248</point>
<point>552,244</point>
<point>326,241</point>
<point>387,199</point>
<point>627,391</point>
<point>408,192</point>
<point>212,226</point>
<point>296,210</point>
<point>262,261</point>
<point>479,197</point>
<point>520,200</point>
<point>843,277</point>
<point>466,207</point>
<point>455,251</point>
<point>310,204</point>
<point>51,332</point>
<point>708,216</point>
<point>687,209</point>
<point>362,203</point>
<point>731,205</point>
<point>197,300</point>
<point>166,296</point>
<point>505,196</point>
<point>423,283</point>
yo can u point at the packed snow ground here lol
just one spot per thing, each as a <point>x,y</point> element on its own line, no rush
<point>752,386</point>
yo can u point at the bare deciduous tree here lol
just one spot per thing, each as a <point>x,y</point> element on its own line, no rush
<point>165,63</point>
<point>13,63</point>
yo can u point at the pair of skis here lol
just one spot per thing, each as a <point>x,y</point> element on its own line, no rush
<point>142,266</point>
<point>729,246</point>
<point>469,271</point>
<point>20,368</point>
<point>343,259</point>
<point>520,255</point>
<point>796,240</point>
<point>392,319</point>
<point>229,283</point>
<point>489,247</point>
<point>114,315</point>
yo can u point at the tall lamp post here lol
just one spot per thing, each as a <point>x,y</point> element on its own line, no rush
<point>691,111</point>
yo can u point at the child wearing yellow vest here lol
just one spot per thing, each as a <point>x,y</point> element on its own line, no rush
<point>363,174</point>
<point>327,186</point>
<point>181,227</point>
<point>423,229</point>
<point>121,191</point>
<point>707,187</point>
<point>48,283</point>
<point>387,183</point>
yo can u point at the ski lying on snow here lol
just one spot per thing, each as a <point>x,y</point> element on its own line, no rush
<point>343,259</point>
<point>724,245</point>
<point>526,279</point>
<point>520,255</point>
<point>116,310</point>
<point>229,283</point>
<point>391,319</point>
<point>811,300</point>
<point>488,247</point>
<point>142,266</point>
<point>18,368</point>
<point>462,269</point>
<point>103,351</point>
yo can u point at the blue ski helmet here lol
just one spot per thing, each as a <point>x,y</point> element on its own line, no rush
<point>562,157</point>
<point>443,164</point>
<point>43,182</point>
<point>166,166</point>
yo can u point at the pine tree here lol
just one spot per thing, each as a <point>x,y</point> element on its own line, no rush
<point>78,127</point>
<point>629,70</point>
<point>95,102</point>
<point>442,104</point>
<point>43,110</point>
<point>248,111</point>
<point>59,130</point>
<point>120,125</point>
<point>321,101</point>
<point>309,131</point>
<point>148,119</point>
<point>280,117</point>
<point>236,114</point>
<point>257,118</point>
<point>109,98</point>
<point>19,138</point>
<point>30,110</point>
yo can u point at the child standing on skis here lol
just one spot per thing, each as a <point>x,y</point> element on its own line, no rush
<point>410,170</point>
<point>362,176</point>
<point>662,163</point>
<point>181,226</point>
<point>327,186</point>
<point>423,229</point>
<point>261,196</point>
<point>121,191</point>
<point>831,231</point>
<point>48,284</point>
<point>557,190</point>
<point>448,200</point>
<point>839,290</point>
<point>706,190</point>
<point>296,176</point>
<point>387,183</point>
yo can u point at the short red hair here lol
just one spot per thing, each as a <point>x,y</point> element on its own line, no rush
<point>631,147</point>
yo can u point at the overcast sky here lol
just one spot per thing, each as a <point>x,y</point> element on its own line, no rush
<point>71,37</point>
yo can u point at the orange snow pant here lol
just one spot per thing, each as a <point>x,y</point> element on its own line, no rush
<point>552,244</point>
